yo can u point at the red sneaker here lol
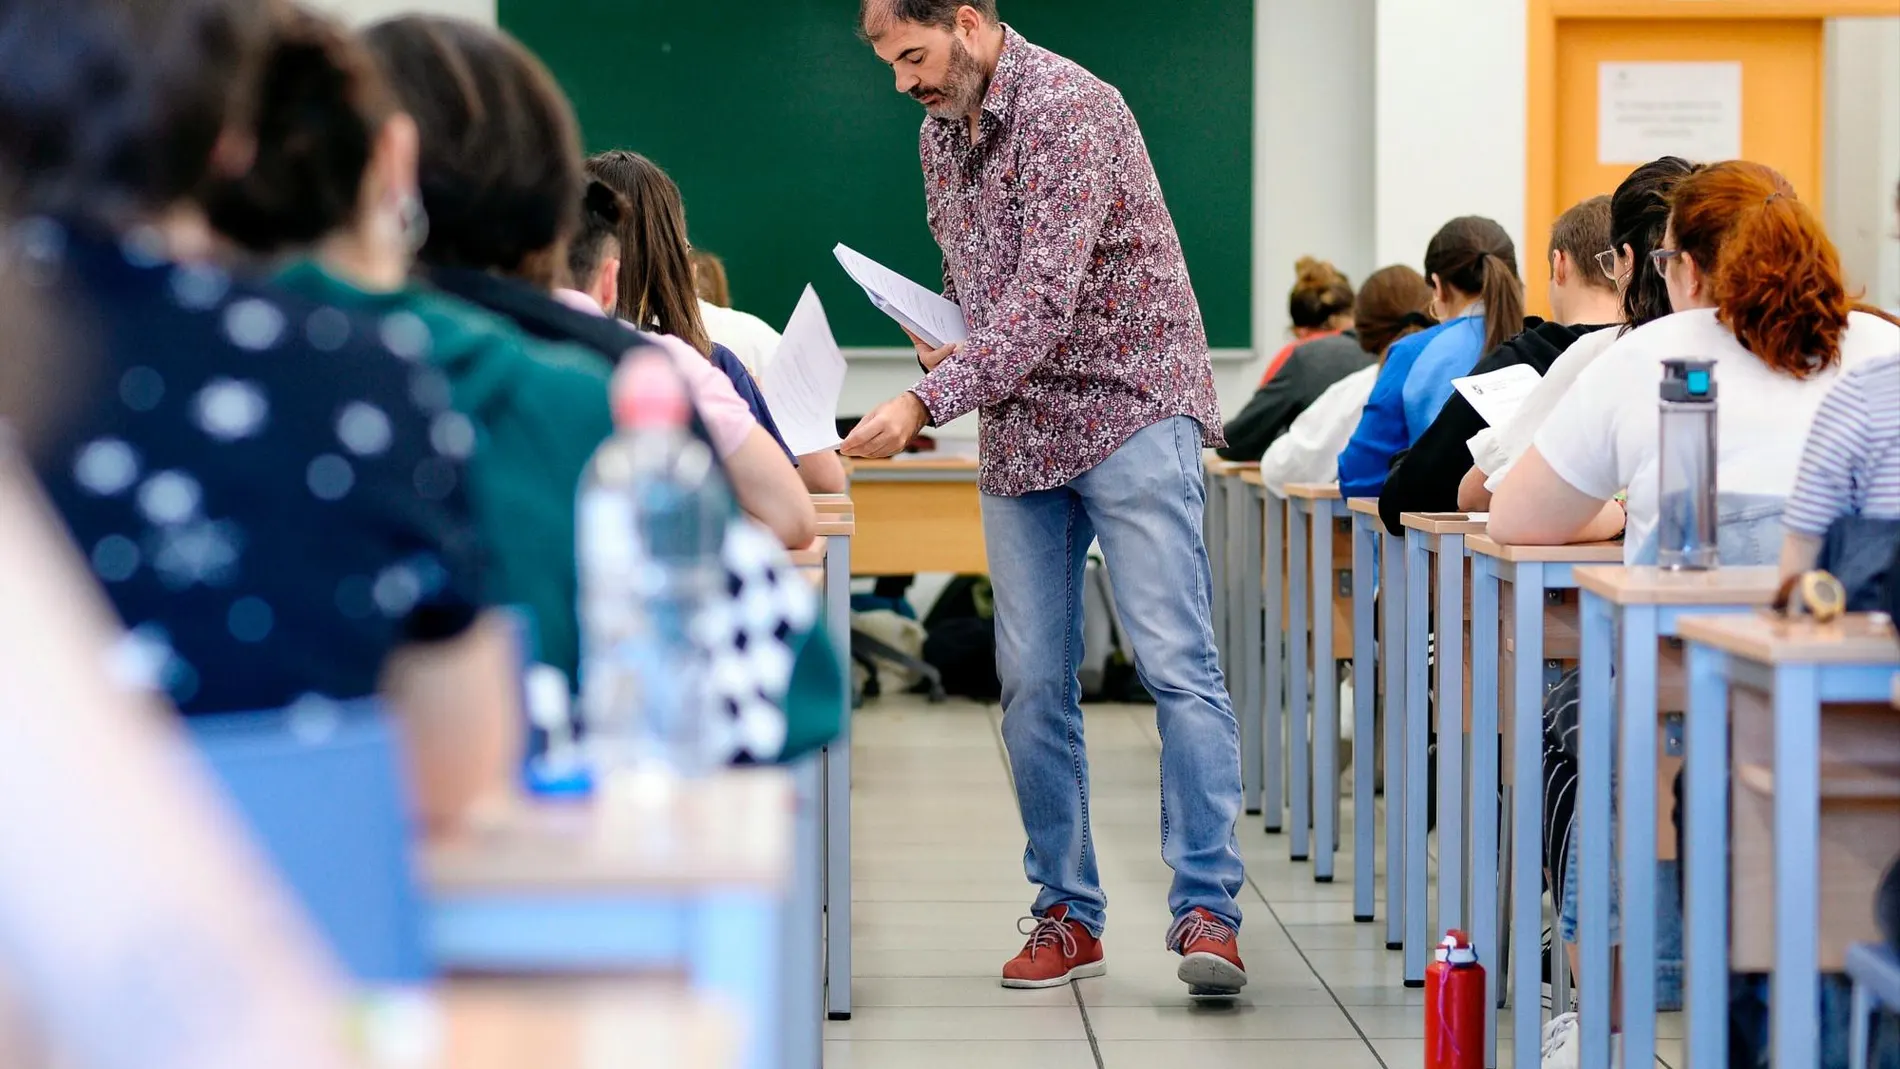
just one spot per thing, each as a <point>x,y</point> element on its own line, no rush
<point>1210,958</point>
<point>1059,950</point>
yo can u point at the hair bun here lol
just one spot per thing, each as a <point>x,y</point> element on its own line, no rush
<point>1311,272</point>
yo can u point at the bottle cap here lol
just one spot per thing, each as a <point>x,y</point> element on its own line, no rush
<point>647,392</point>
<point>1688,381</point>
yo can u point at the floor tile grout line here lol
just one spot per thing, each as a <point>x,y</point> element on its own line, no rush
<point>1310,967</point>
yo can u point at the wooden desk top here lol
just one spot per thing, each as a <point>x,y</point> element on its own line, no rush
<point>1217,466</point>
<point>1624,585</point>
<point>812,556</point>
<point>732,828</point>
<point>591,1023</point>
<point>1252,477</point>
<point>1365,506</point>
<point>832,504</point>
<point>837,525</point>
<point>1858,638</point>
<point>1445,523</point>
<point>1313,491</point>
<point>896,468</point>
<point>1581,553</point>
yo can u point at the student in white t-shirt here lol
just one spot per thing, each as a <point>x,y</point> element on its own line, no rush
<point>1757,288</point>
<point>1639,214</point>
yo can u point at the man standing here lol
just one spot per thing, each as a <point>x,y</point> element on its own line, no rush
<point>1089,364</point>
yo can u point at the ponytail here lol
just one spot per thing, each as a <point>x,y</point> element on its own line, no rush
<point>1773,273</point>
<point>1475,256</point>
<point>1503,297</point>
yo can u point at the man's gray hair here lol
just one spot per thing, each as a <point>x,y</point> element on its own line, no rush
<point>874,15</point>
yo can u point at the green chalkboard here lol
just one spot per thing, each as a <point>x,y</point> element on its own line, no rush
<point>786,135</point>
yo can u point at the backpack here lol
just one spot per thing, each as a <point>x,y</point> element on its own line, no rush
<point>960,639</point>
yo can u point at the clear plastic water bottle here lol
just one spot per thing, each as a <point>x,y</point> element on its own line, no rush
<point>1685,476</point>
<point>653,512</point>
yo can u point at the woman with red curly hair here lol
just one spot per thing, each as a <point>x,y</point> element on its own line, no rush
<point>1756,286</point>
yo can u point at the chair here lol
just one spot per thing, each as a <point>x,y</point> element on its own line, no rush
<point>319,787</point>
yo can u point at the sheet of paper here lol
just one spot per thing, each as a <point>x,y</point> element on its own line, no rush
<point>922,312</point>
<point>1647,110</point>
<point>1498,395</point>
<point>803,379</point>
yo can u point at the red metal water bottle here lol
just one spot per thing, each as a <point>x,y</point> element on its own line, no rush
<point>1454,1006</point>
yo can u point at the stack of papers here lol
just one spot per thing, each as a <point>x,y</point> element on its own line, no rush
<point>923,313</point>
<point>803,378</point>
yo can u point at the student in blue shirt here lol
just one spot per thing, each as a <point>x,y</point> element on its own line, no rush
<point>1472,266</point>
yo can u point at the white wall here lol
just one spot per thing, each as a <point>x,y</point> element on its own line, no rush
<point>1863,152</point>
<point>1314,82</point>
<point>1449,120</point>
<point>363,11</point>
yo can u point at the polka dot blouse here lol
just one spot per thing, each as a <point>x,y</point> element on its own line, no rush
<point>270,491</point>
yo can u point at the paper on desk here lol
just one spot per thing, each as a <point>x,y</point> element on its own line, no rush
<point>1498,395</point>
<point>803,378</point>
<point>922,312</point>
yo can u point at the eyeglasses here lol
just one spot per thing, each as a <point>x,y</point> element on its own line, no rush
<point>1606,263</point>
<point>1659,258</point>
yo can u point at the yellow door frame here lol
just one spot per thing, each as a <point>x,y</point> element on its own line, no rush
<point>1540,206</point>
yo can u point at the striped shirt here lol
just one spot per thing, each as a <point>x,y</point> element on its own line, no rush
<point>1852,463</point>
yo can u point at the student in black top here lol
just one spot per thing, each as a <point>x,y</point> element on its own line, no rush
<point>1392,299</point>
<point>1582,297</point>
<point>270,491</point>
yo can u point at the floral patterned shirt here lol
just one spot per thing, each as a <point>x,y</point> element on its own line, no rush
<point>1084,327</point>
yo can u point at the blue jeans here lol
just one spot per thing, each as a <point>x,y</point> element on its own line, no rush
<point>1144,503</point>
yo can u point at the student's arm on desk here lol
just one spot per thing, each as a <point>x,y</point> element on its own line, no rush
<point>457,703</point>
<point>823,472</point>
<point>1472,496</point>
<point>1536,507</point>
<point>770,490</point>
<point>1799,553</point>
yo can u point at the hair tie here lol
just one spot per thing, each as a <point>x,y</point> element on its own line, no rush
<point>1772,197</point>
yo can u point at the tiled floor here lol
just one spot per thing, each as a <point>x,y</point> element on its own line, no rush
<point>938,886</point>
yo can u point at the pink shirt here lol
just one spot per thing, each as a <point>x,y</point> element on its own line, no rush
<point>727,418</point>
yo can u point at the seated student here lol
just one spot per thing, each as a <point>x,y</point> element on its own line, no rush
<point>1757,289</point>
<point>500,173</point>
<point>1390,307</point>
<point>1582,298</point>
<point>750,338</point>
<point>1850,466</point>
<point>1639,211</point>
<point>335,174</point>
<point>203,446</point>
<point>1472,266</point>
<point>1319,306</point>
<point>1304,369</point>
<point>656,287</point>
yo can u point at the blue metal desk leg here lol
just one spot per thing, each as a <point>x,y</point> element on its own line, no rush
<point>1527,824</point>
<point>804,922</point>
<point>1364,843</point>
<point>1417,743</point>
<point>1484,800</point>
<point>838,797</point>
<point>1705,872</point>
<point>1794,1013</point>
<point>1392,589</point>
<point>1637,693</point>
<point>1299,755</point>
<point>1593,833</point>
<point>737,936</point>
<point>1248,705</point>
<point>1273,783</point>
<point>1325,700</point>
<point>1233,493</point>
<point>1451,732</point>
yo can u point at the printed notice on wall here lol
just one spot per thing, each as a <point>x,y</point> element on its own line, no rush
<point>1646,110</point>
